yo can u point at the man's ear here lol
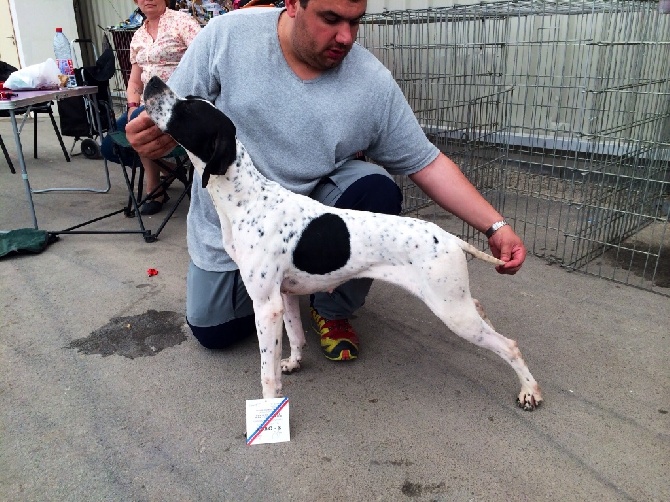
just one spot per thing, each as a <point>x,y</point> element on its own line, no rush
<point>291,7</point>
<point>224,153</point>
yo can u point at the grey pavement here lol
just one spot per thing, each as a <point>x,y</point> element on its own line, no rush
<point>105,396</point>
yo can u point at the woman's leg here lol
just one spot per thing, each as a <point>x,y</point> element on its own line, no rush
<point>152,181</point>
<point>108,150</point>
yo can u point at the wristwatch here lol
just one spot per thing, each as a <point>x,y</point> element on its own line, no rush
<point>495,227</point>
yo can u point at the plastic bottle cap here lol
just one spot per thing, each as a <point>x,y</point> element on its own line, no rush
<point>59,30</point>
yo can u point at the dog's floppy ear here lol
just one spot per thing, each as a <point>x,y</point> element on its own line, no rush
<point>223,154</point>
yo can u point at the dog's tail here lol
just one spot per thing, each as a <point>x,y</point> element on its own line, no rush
<point>469,248</point>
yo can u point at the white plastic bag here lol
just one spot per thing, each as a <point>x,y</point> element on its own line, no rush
<point>37,76</point>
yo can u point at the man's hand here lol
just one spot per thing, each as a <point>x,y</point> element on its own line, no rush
<point>508,247</point>
<point>443,181</point>
<point>147,139</point>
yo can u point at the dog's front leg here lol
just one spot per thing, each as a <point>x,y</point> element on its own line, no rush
<point>296,335</point>
<point>269,315</point>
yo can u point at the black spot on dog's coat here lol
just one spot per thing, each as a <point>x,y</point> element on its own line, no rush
<point>324,245</point>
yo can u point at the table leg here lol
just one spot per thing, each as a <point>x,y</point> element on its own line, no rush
<point>108,186</point>
<point>22,164</point>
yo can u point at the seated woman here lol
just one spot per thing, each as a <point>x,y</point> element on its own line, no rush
<point>155,50</point>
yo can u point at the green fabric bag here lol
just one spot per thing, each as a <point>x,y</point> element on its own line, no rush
<point>25,240</point>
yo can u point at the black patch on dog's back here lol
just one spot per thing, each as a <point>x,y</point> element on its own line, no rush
<point>324,245</point>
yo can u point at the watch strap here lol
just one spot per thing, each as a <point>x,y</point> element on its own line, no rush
<point>495,227</point>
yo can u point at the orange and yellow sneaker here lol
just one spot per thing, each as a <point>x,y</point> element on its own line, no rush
<point>339,341</point>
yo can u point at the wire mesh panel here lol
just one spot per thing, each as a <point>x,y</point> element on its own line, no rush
<point>558,111</point>
<point>462,112</point>
<point>121,46</point>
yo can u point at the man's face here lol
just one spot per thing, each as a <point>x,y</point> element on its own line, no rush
<point>325,30</point>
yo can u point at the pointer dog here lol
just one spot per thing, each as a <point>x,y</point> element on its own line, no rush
<point>272,235</point>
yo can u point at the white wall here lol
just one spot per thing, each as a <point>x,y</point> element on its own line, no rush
<point>35,23</point>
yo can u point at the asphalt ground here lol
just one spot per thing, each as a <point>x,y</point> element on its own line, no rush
<point>105,396</point>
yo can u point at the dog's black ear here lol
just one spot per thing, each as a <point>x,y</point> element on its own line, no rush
<point>223,154</point>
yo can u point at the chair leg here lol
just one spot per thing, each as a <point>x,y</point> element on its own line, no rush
<point>9,161</point>
<point>140,183</point>
<point>60,138</point>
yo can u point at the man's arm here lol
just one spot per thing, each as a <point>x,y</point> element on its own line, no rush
<point>444,182</point>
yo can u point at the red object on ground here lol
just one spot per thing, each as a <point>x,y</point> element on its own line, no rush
<point>151,272</point>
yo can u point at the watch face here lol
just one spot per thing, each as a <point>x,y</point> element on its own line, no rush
<point>497,226</point>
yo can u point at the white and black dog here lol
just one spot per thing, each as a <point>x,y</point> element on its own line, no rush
<point>275,238</point>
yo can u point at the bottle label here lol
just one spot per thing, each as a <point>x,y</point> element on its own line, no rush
<point>65,66</point>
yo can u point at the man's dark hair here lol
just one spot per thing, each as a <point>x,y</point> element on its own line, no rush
<point>303,3</point>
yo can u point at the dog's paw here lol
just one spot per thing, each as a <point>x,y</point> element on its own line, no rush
<point>529,399</point>
<point>288,366</point>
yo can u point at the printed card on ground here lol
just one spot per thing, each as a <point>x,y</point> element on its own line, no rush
<point>267,420</point>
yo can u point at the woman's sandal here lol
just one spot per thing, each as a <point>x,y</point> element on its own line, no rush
<point>178,173</point>
<point>154,205</point>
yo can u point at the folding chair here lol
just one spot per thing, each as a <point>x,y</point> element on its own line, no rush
<point>182,171</point>
<point>6,154</point>
<point>46,108</point>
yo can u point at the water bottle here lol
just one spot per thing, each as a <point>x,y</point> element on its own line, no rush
<point>63,55</point>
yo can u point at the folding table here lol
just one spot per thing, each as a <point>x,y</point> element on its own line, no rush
<point>29,98</point>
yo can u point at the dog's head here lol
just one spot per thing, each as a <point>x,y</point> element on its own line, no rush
<point>194,123</point>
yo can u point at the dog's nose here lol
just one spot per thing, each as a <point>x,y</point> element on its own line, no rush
<point>154,86</point>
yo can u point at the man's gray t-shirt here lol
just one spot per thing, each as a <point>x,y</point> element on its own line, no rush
<point>296,131</point>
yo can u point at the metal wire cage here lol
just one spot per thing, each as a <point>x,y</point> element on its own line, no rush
<point>121,38</point>
<point>558,111</point>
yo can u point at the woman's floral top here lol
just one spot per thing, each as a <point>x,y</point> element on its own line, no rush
<point>160,57</point>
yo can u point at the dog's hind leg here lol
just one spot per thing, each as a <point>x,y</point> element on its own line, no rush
<point>482,312</point>
<point>269,316</point>
<point>296,335</point>
<point>461,316</point>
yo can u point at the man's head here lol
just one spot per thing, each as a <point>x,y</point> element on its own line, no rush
<point>324,30</point>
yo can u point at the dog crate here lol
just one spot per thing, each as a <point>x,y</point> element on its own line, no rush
<point>558,111</point>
